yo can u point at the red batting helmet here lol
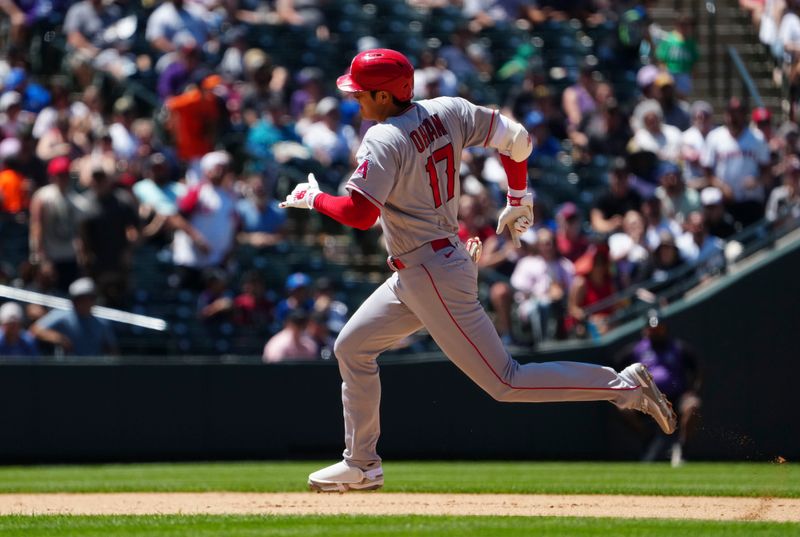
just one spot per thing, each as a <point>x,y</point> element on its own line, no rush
<point>380,69</point>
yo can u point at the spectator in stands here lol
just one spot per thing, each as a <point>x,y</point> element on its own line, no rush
<point>216,302</point>
<point>571,241</point>
<point>628,250</point>
<point>178,72</point>
<point>693,142</point>
<point>77,332</point>
<point>330,142</point>
<point>194,119</point>
<point>253,307</point>
<point>578,100</point>
<point>607,213</point>
<point>678,52</point>
<point>206,223</point>
<point>737,162</point>
<point>265,83</point>
<point>541,281</point>
<point>123,142</point>
<point>593,284</point>
<point>263,223</point>
<point>675,369</point>
<point>655,220</point>
<point>309,91</point>
<point>700,248</point>
<point>108,229</point>
<point>14,186</point>
<point>318,329</point>
<point>14,339</point>
<point>606,130</point>
<point>173,20</point>
<point>158,197</point>
<point>34,96</point>
<point>292,343</point>
<point>676,111</point>
<point>90,44</point>
<point>718,221</point>
<point>666,262</point>
<point>788,40</point>
<point>783,206</point>
<point>54,226</point>
<point>650,133</point>
<point>325,302</point>
<point>677,201</point>
<point>13,118</point>
<point>58,140</point>
<point>762,124</point>
<point>298,296</point>
<point>544,143</point>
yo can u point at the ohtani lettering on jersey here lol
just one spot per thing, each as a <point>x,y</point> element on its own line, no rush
<point>428,131</point>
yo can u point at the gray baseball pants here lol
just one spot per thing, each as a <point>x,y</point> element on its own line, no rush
<point>438,291</point>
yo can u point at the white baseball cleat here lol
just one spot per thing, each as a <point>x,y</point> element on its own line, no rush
<point>340,477</point>
<point>654,403</point>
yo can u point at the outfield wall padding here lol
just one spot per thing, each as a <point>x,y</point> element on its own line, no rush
<point>746,333</point>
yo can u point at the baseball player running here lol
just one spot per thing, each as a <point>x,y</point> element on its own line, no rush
<point>408,176</point>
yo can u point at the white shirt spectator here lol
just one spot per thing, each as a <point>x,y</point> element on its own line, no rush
<point>167,22</point>
<point>213,215</point>
<point>789,31</point>
<point>534,276</point>
<point>692,143</point>
<point>734,160</point>
<point>666,144</point>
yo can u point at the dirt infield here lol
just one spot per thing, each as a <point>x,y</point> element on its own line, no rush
<point>383,503</point>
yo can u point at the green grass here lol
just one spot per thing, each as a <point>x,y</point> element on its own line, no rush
<point>700,479</point>
<point>347,526</point>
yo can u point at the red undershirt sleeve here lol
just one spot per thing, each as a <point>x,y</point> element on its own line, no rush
<point>354,210</point>
<point>517,173</point>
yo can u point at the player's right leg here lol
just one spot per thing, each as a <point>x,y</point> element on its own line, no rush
<point>378,324</point>
<point>444,297</point>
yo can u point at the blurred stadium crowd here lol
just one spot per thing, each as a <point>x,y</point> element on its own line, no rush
<point>144,144</point>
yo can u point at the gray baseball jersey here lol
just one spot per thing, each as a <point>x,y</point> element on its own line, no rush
<point>408,167</point>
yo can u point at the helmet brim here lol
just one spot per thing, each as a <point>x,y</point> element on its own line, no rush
<point>347,84</point>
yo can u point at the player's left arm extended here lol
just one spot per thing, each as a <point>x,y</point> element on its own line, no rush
<point>354,210</point>
<point>514,144</point>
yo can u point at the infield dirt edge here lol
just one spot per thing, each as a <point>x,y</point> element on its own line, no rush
<point>385,503</point>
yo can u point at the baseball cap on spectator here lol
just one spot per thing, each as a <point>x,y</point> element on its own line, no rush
<point>761,115</point>
<point>255,59</point>
<point>327,105</point>
<point>58,165</point>
<point>10,312</point>
<point>665,238</point>
<point>298,279</point>
<point>533,119</point>
<point>701,107</point>
<point>710,195</point>
<point>15,78</point>
<point>82,287</point>
<point>663,79</point>
<point>665,168</point>
<point>9,99</point>
<point>309,74</point>
<point>123,105</point>
<point>646,76</point>
<point>9,149</point>
<point>214,159</point>
<point>567,211</point>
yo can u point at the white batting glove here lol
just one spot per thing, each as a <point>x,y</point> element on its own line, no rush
<point>302,197</point>
<point>474,248</point>
<point>517,216</point>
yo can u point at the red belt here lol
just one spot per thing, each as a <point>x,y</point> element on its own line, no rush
<point>436,245</point>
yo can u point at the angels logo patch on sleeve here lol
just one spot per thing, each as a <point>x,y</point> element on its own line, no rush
<point>362,169</point>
